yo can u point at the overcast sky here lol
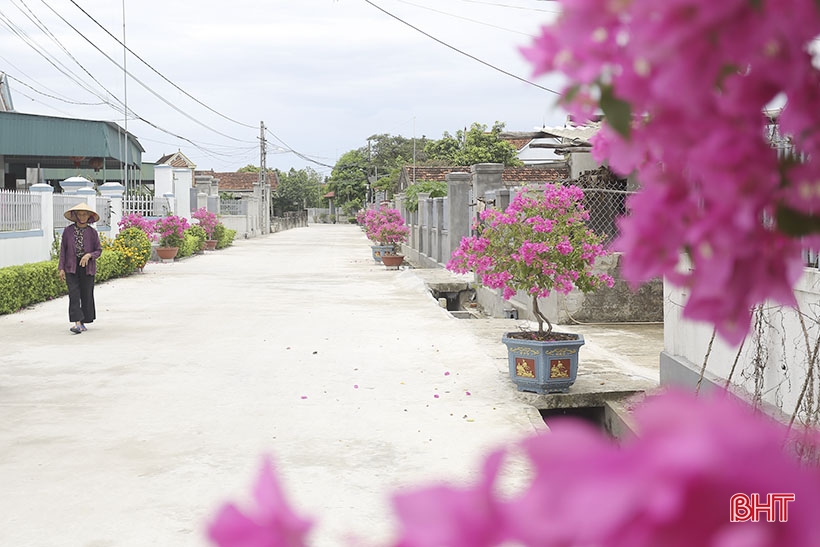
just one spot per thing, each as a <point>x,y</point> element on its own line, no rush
<point>323,75</point>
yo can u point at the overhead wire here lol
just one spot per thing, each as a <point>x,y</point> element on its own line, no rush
<point>146,63</point>
<point>496,4</point>
<point>457,50</point>
<point>34,89</point>
<point>476,21</point>
<point>140,82</point>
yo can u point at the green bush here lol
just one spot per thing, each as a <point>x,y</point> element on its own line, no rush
<point>190,244</point>
<point>135,247</point>
<point>436,189</point>
<point>111,264</point>
<point>28,284</point>
<point>21,286</point>
<point>223,236</point>
<point>199,232</point>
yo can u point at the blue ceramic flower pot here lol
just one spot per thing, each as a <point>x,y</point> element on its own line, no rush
<point>543,367</point>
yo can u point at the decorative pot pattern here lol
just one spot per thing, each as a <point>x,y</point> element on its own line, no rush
<point>543,367</point>
<point>380,250</point>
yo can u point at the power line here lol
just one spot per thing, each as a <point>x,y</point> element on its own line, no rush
<point>34,89</point>
<point>509,6</point>
<point>462,18</point>
<point>146,63</point>
<point>473,57</point>
<point>140,82</point>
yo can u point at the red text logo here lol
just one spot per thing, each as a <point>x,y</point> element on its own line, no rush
<point>745,508</point>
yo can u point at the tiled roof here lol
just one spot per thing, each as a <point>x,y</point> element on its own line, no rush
<point>177,159</point>
<point>518,142</point>
<point>240,182</point>
<point>511,176</point>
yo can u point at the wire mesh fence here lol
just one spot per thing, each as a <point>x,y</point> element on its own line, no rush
<point>605,207</point>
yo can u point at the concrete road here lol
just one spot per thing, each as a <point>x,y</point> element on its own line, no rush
<point>295,345</point>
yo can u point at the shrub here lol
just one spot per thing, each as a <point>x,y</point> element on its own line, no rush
<point>28,284</point>
<point>135,247</point>
<point>189,245</point>
<point>224,236</point>
<point>111,264</point>
<point>436,189</point>
<point>200,234</point>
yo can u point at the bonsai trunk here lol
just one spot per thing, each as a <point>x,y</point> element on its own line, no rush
<point>540,317</point>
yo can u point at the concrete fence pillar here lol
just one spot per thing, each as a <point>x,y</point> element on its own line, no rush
<point>213,204</point>
<point>486,178</point>
<point>438,221</point>
<point>502,199</point>
<point>458,214</point>
<point>114,192</point>
<point>425,217</point>
<point>72,185</point>
<point>46,194</point>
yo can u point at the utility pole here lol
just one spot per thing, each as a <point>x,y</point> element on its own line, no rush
<point>262,153</point>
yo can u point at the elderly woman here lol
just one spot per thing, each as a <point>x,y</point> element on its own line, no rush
<point>79,250</point>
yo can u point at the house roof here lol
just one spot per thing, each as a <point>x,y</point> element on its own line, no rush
<point>48,141</point>
<point>240,182</point>
<point>177,159</point>
<point>579,134</point>
<point>511,176</point>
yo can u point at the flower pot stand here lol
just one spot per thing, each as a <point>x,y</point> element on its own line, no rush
<point>392,262</point>
<point>543,367</point>
<point>381,250</point>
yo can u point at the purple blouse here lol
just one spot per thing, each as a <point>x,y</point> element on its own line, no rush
<point>68,254</point>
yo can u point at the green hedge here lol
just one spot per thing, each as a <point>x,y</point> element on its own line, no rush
<point>223,236</point>
<point>22,286</point>
<point>190,244</point>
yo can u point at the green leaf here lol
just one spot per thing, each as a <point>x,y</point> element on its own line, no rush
<point>794,223</point>
<point>618,112</point>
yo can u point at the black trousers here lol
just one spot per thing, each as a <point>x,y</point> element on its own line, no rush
<point>80,296</point>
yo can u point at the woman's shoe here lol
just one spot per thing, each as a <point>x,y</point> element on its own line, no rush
<point>82,328</point>
<point>76,330</point>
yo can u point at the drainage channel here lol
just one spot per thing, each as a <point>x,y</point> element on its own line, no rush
<point>610,417</point>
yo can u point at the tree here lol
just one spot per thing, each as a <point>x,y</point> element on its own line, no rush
<point>250,168</point>
<point>472,146</point>
<point>297,190</point>
<point>348,180</point>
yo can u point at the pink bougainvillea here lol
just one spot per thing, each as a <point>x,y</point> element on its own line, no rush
<point>670,486</point>
<point>385,226</point>
<point>539,244</point>
<point>683,85</point>
<point>271,523</point>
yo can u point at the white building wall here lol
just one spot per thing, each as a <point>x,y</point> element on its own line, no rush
<point>183,182</point>
<point>776,346</point>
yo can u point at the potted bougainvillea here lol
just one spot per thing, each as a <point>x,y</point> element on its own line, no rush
<point>539,244</point>
<point>208,221</point>
<point>170,231</point>
<point>386,229</point>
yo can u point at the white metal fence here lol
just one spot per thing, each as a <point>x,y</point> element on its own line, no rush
<point>63,203</point>
<point>141,205</point>
<point>19,211</point>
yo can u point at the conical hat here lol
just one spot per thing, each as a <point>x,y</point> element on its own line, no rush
<point>69,215</point>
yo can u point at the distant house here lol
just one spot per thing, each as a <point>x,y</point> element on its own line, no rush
<point>177,160</point>
<point>512,176</point>
<point>237,184</point>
